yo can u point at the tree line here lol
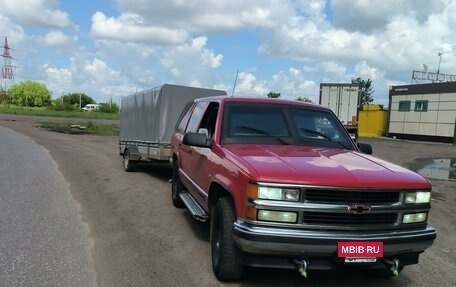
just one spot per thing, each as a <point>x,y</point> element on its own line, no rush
<point>35,94</point>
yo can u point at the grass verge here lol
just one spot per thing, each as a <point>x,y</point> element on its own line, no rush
<point>81,128</point>
<point>45,112</point>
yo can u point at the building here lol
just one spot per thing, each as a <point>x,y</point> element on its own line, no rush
<point>423,112</point>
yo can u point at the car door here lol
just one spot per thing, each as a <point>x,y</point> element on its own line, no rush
<point>190,155</point>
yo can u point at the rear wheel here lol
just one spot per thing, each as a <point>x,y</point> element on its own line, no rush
<point>225,255</point>
<point>176,188</point>
<point>128,164</point>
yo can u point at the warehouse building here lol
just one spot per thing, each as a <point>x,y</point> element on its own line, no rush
<point>423,112</point>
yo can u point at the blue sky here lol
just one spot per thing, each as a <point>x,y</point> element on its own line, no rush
<point>109,49</point>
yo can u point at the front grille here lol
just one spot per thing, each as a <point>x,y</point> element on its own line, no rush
<point>351,197</point>
<point>342,219</point>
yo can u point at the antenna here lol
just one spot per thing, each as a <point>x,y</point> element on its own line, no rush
<point>235,81</point>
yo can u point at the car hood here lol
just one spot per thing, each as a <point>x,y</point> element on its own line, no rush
<point>322,167</point>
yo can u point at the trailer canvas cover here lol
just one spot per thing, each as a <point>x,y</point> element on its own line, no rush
<point>150,115</point>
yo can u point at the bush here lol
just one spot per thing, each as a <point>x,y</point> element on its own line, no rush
<point>108,108</point>
<point>59,106</point>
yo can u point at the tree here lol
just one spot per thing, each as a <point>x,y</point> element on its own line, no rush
<point>273,95</point>
<point>30,94</point>
<point>366,90</point>
<point>304,99</point>
<point>4,97</point>
<point>74,98</point>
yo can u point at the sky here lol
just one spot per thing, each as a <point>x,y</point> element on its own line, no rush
<point>112,48</point>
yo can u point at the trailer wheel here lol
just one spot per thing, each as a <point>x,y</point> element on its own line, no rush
<point>176,188</point>
<point>129,165</point>
<point>225,255</point>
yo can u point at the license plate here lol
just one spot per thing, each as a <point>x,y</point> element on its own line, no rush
<point>360,249</point>
<point>360,260</point>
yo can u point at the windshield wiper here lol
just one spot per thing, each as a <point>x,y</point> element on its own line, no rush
<point>323,135</point>
<point>258,131</point>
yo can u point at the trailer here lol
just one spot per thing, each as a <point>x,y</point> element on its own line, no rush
<point>148,118</point>
<point>343,99</point>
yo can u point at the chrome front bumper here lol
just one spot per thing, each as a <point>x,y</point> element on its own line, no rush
<point>317,243</point>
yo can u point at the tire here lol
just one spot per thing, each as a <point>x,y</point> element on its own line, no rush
<point>176,188</point>
<point>129,165</point>
<point>225,255</point>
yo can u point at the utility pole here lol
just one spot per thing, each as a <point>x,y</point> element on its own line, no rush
<point>440,60</point>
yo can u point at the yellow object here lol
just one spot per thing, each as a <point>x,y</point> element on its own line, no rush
<point>372,121</point>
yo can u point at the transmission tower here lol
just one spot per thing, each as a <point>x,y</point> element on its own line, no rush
<point>7,75</point>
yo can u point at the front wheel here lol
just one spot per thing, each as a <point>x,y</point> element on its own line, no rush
<point>225,255</point>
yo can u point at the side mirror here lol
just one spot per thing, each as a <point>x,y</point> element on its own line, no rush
<point>204,131</point>
<point>365,148</point>
<point>197,139</point>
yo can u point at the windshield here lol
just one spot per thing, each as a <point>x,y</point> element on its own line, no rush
<point>283,124</point>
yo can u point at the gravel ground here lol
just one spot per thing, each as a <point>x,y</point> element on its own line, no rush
<point>141,240</point>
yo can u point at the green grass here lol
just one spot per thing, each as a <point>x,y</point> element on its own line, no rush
<point>81,128</point>
<point>45,112</point>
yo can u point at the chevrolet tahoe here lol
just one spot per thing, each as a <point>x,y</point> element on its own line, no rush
<point>283,185</point>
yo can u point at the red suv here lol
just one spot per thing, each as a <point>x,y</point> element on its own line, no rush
<point>283,185</point>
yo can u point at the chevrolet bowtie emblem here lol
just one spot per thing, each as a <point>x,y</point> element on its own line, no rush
<point>359,209</point>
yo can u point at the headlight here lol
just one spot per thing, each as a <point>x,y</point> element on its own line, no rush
<point>418,197</point>
<point>278,216</point>
<point>414,217</point>
<point>278,193</point>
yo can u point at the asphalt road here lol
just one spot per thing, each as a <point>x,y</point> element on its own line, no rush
<point>140,239</point>
<point>43,241</point>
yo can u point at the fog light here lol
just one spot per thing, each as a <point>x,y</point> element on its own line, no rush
<point>414,217</point>
<point>278,216</point>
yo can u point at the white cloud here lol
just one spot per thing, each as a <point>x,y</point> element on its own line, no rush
<point>14,32</point>
<point>43,13</point>
<point>205,16</point>
<point>59,80</point>
<point>368,16</point>
<point>56,39</point>
<point>130,27</point>
<point>191,62</point>
<point>248,85</point>
<point>293,84</point>
<point>93,77</point>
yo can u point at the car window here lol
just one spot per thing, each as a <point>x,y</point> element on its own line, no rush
<point>246,120</point>
<point>283,124</point>
<point>195,118</point>
<point>183,118</point>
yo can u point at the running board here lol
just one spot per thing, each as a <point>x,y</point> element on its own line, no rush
<point>195,209</point>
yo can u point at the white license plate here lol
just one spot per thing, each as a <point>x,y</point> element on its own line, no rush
<point>360,260</point>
